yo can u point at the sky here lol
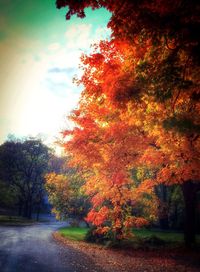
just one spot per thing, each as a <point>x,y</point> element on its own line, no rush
<point>39,56</point>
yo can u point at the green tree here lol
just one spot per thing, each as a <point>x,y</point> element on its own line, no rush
<point>22,167</point>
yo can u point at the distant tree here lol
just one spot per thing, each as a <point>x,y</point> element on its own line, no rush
<point>8,196</point>
<point>22,167</point>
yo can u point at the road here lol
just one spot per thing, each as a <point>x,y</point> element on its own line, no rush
<point>32,248</point>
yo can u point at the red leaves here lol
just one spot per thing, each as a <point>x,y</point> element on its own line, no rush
<point>95,60</point>
<point>98,218</point>
<point>119,178</point>
<point>97,200</point>
<point>119,123</point>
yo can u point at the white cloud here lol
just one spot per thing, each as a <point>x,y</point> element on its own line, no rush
<point>54,47</point>
<point>29,106</point>
<point>34,100</point>
<point>81,36</point>
<point>78,36</point>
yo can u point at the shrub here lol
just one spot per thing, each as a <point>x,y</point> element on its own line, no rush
<point>93,236</point>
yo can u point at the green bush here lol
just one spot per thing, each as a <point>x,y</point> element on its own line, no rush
<point>93,237</point>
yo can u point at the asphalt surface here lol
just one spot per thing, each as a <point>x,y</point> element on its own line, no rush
<point>32,248</point>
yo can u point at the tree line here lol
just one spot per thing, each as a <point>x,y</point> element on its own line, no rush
<point>23,165</point>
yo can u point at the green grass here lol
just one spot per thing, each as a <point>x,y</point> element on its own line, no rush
<point>167,236</point>
<point>74,233</point>
<point>78,234</point>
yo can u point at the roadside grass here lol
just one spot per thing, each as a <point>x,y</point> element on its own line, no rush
<point>142,237</point>
<point>14,220</point>
<point>167,236</point>
<point>74,233</point>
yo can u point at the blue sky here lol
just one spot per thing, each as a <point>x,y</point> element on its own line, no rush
<point>39,53</point>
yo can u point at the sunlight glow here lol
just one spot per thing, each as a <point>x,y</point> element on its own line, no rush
<point>37,92</point>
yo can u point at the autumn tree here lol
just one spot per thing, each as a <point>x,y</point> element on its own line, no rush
<point>64,188</point>
<point>105,148</point>
<point>137,123</point>
<point>22,167</point>
<point>148,74</point>
<point>65,195</point>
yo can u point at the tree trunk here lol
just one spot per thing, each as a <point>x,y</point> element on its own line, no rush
<point>161,192</point>
<point>30,209</point>
<point>87,224</point>
<point>25,213</point>
<point>165,219</point>
<point>38,213</point>
<point>189,194</point>
<point>20,208</point>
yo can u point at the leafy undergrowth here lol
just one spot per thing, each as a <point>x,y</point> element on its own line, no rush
<point>129,260</point>
<point>14,220</point>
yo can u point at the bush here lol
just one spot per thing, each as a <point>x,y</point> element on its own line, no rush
<point>93,237</point>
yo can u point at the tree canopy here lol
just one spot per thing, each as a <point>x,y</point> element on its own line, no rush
<point>139,108</point>
<point>22,167</point>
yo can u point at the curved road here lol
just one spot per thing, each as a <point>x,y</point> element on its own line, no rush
<point>32,248</point>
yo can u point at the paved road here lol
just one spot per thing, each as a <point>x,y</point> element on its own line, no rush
<point>32,248</point>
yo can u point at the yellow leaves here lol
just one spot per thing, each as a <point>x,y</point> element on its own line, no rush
<point>65,194</point>
<point>53,178</point>
<point>57,214</point>
<point>56,184</point>
<point>140,173</point>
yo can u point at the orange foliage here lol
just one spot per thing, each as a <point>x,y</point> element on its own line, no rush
<point>121,124</point>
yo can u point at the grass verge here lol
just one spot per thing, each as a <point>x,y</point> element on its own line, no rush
<point>74,233</point>
<point>142,238</point>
